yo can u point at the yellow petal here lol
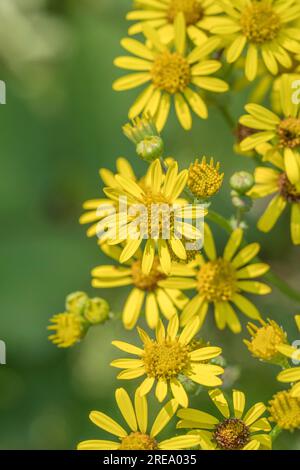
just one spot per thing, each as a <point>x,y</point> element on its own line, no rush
<point>239,401</point>
<point>163,417</point>
<point>129,348</point>
<point>126,408</point>
<point>254,413</point>
<point>233,244</point>
<point>220,401</point>
<point>152,313</point>
<point>179,392</point>
<point>179,442</point>
<point>108,424</point>
<point>141,411</point>
<point>183,112</point>
<point>98,445</point>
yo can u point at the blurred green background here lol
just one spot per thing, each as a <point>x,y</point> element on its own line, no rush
<point>61,123</point>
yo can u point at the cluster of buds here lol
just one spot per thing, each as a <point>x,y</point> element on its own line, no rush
<point>144,134</point>
<point>81,312</point>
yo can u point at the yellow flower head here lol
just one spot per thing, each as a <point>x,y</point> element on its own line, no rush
<point>98,209</point>
<point>205,179</point>
<point>161,15</point>
<point>138,437</point>
<point>278,141</point>
<point>145,290</point>
<point>266,341</point>
<point>234,431</point>
<point>220,281</point>
<point>155,214</point>
<point>67,329</point>
<point>171,73</point>
<point>167,357</point>
<point>265,29</point>
<point>284,409</point>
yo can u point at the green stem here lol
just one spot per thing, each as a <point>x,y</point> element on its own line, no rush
<point>226,115</point>
<point>283,286</point>
<point>219,220</point>
<point>275,432</point>
<point>273,278</point>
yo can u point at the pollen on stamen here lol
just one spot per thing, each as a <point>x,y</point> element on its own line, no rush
<point>192,10</point>
<point>260,23</point>
<point>171,72</point>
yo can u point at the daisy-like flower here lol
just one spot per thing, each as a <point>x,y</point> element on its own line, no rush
<point>278,181</point>
<point>153,213</point>
<point>167,358</point>
<point>98,209</point>
<point>235,430</point>
<point>267,341</point>
<point>145,292</point>
<point>172,73</point>
<point>138,437</point>
<point>161,15</point>
<point>261,27</point>
<point>284,409</point>
<point>281,132</point>
<point>220,281</point>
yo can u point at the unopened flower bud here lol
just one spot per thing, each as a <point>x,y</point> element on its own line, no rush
<point>242,182</point>
<point>144,134</point>
<point>96,310</point>
<point>75,302</point>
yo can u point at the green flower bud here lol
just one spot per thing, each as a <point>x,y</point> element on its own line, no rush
<point>150,148</point>
<point>96,310</point>
<point>144,134</point>
<point>242,182</point>
<point>75,302</point>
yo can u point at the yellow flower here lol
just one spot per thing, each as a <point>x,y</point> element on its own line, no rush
<point>266,341</point>
<point>67,329</point>
<point>146,291</point>
<point>155,214</point>
<point>98,209</point>
<point>265,28</point>
<point>278,182</point>
<point>234,431</point>
<point>205,179</point>
<point>168,357</point>
<point>138,437</point>
<point>284,409</point>
<point>171,73</point>
<point>161,15</point>
<point>220,282</point>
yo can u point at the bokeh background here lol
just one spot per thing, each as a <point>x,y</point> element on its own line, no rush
<point>61,123</point>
